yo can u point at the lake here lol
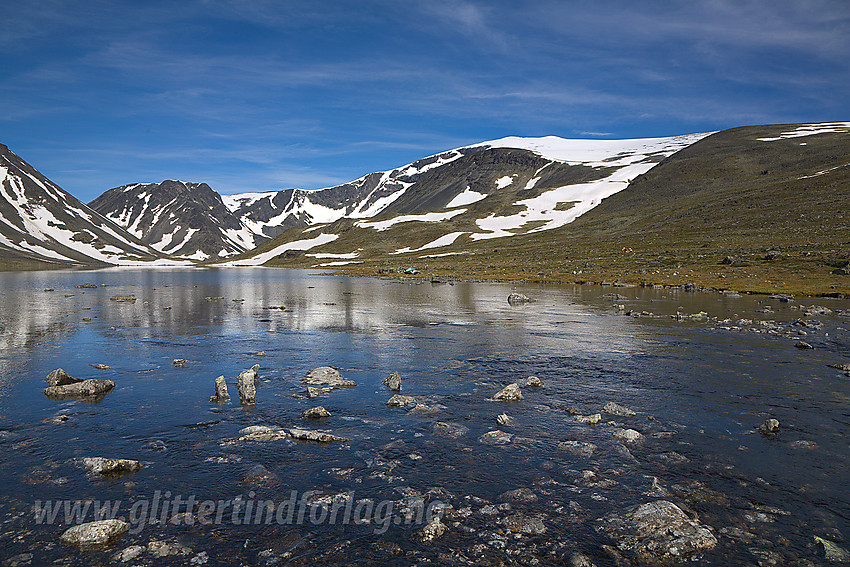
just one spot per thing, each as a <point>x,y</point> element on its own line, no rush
<point>540,486</point>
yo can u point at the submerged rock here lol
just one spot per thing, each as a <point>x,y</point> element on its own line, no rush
<point>317,412</point>
<point>580,560</point>
<point>246,385</point>
<point>518,298</point>
<point>432,531</point>
<point>510,393</point>
<point>578,448</point>
<point>87,389</point>
<point>221,393</point>
<point>496,437</point>
<point>327,376</point>
<point>91,534</point>
<point>833,553</point>
<point>449,429</point>
<point>261,476</point>
<point>520,523</point>
<point>60,378</point>
<point>519,495</point>
<point>393,382</point>
<point>167,549</point>
<point>612,408</point>
<point>657,531</point>
<point>317,436</point>
<point>110,467</point>
<point>803,345</point>
<point>128,554</point>
<point>400,401</point>
<point>770,427</point>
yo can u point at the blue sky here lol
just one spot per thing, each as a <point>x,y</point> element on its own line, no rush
<point>254,96</point>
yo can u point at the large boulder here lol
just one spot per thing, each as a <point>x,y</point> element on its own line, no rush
<point>221,394</point>
<point>60,378</point>
<point>93,534</point>
<point>393,382</point>
<point>657,531</point>
<point>90,389</point>
<point>327,376</point>
<point>400,401</point>
<point>510,393</point>
<point>246,385</point>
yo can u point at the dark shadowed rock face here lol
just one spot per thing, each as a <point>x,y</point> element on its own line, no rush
<point>178,218</point>
<point>42,222</point>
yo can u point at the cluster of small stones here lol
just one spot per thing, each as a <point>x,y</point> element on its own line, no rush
<point>655,531</point>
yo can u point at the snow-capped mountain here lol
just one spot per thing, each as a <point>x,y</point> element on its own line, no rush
<point>181,219</point>
<point>494,189</point>
<point>40,221</point>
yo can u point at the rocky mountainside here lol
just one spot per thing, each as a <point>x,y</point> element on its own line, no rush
<point>495,189</point>
<point>40,223</point>
<point>180,219</point>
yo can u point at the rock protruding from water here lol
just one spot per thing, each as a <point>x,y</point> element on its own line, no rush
<point>246,385</point>
<point>327,376</point>
<point>400,401</point>
<point>518,298</point>
<point>317,412</point>
<point>317,436</point>
<point>627,436</point>
<point>657,531</point>
<point>770,427</point>
<point>221,394</point>
<point>87,390</point>
<point>594,419</point>
<point>844,367</point>
<point>60,378</point>
<point>393,382</point>
<point>316,392</point>
<point>110,467</point>
<point>612,408</point>
<point>532,382</point>
<point>93,534</point>
<point>262,433</point>
<point>503,419</point>
<point>510,393</point>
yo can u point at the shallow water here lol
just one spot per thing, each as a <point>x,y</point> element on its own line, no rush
<point>698,390</point>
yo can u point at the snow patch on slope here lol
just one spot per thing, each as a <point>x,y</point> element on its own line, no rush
<point>811,130</point>
<point>305,244</point>
<point>424,217</point>
<point>444,240</point>
<point>466,197</point>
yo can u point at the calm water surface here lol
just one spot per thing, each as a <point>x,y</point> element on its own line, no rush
<point>698,391</point>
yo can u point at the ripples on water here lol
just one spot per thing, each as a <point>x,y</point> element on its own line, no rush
<point>698,391</point>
